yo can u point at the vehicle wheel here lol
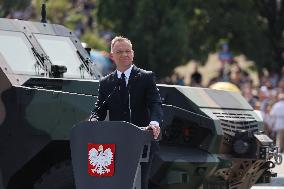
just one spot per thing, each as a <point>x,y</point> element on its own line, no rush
<point>59,176</point>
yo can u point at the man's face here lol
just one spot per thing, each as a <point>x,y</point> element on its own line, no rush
<point>122,55</point>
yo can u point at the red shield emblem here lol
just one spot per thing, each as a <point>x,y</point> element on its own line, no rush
<point>101,159</point>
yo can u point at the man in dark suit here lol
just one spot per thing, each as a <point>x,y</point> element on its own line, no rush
<point>130,94</point>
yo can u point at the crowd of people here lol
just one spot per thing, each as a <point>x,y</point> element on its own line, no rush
<point>269,100</point>
<point>267,95</point>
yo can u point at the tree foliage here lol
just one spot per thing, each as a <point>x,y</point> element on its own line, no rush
<point>169,32</point>
<point>271,15</point>
<point>157,29</point>
<point>94,41</point>
<point>243,25</point>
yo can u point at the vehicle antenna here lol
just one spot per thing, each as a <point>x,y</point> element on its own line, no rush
<point>43,12</point>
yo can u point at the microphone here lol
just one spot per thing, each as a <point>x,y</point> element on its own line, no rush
<point>94,111</point>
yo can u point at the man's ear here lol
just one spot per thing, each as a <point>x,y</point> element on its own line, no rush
<point>111,56</point>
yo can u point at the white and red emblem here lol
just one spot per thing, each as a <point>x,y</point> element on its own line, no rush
<point>101,159</point>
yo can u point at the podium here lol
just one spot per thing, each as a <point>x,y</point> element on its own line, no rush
<point>129,142</point>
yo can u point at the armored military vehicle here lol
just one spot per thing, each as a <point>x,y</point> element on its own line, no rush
<point>47,84</point>
<point>211,139</point>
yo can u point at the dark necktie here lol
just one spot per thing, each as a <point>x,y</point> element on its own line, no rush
<point>123,88</point>
<point>124,96</point>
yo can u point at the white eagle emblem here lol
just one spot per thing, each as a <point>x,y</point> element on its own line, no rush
<point>100,160</point>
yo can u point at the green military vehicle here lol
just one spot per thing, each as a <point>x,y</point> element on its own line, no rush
<point>211,139</point>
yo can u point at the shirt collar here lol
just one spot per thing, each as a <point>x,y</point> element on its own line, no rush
<point>126,72</point>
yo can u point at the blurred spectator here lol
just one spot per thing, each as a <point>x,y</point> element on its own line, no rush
<point>239,76</point>
<point>280,85</point>
<point>263,97</point>
<point>246,77</point>
<point>196,78</point>
<point>216,79</point>
<point>277,121</point>
<point>225,56</point>
<point>79,29</point>
<point>235,76</point>
<point>247,92</point>
<point>24,14</point>
<point>179,80</point>
<point>267,120</point>
<point>273,78</point>
<point>103,62</point>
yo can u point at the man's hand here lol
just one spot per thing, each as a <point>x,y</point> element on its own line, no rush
<point>92,118</point>
<point>155,128</point>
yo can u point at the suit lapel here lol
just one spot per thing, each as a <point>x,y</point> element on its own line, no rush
<point>113,79</point>
<point>134,76</point>
<point>113,82</point>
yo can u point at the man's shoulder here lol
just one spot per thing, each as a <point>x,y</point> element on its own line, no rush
<point>142,71</point>
<point>108,77</point>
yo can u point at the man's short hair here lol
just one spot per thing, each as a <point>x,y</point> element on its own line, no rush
<point>119,39</point>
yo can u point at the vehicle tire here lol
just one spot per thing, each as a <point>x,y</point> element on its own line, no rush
<point>60,176</point>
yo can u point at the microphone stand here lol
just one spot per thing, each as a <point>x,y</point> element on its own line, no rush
<point>129,105</point>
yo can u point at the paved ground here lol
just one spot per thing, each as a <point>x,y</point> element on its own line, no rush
<point>277,183</point>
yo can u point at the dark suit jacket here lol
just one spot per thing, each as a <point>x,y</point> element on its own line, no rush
<point>145,101</point>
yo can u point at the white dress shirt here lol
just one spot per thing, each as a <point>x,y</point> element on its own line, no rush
<point>126,73</point>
